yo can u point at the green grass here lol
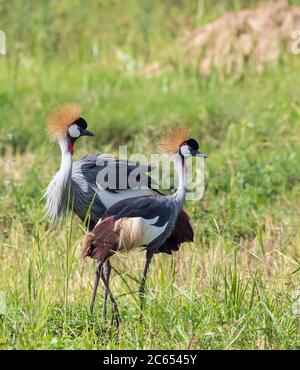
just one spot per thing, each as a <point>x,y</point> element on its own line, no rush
<point>234,287</point>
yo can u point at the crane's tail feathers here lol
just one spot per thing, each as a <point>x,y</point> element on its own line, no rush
<point>102,242</point>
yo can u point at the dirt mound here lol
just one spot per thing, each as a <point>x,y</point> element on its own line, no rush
<point>251,37</point>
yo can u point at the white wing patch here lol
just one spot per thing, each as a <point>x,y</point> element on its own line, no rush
<point>108,198</point>
<point>137,231</point>
<point>151,231</point>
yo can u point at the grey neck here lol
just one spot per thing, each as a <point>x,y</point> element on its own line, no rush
<point>180,169</point>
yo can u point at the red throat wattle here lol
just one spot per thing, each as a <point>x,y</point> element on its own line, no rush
<point>71,148</point>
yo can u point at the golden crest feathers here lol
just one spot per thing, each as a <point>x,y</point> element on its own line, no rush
<point>170,144</point>
<point>60,118</point>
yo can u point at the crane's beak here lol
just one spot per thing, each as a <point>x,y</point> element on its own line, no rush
<point>196,153</point>
<point>84,132</point>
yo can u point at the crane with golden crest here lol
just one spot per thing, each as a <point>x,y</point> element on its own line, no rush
<point>77,183</point>
<point>144,221</point>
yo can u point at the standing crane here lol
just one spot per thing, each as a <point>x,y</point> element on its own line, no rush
<point>78,180</point>
<point>65,126</point>
<point>145,221</point>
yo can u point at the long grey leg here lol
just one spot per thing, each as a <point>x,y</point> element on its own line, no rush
<point>105,275</point>
<point>96,283</point>
<point>143,282</point>
<point>115,309</point>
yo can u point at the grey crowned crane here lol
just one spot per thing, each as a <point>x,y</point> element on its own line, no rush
<point>145,221</point>
<point>65,126</point>
<point>78,180</point>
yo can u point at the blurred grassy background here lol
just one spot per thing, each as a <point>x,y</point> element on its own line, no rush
<point>233,287</point>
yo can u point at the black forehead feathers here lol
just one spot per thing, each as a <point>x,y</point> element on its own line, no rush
<point>193,144</point>
<point>81,122</point>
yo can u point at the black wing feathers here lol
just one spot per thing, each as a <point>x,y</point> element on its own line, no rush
<point>147,207</point>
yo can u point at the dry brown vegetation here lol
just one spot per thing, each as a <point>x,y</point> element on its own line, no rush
<point>250,37</point>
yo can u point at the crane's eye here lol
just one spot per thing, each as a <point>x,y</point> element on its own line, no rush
<point>74,131</point>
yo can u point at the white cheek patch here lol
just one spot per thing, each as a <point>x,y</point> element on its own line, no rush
<point>74,131</point>
<point>184,150</point>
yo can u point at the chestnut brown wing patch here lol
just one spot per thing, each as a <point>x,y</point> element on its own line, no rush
<point>182,233</point>
<point>103,241</point>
